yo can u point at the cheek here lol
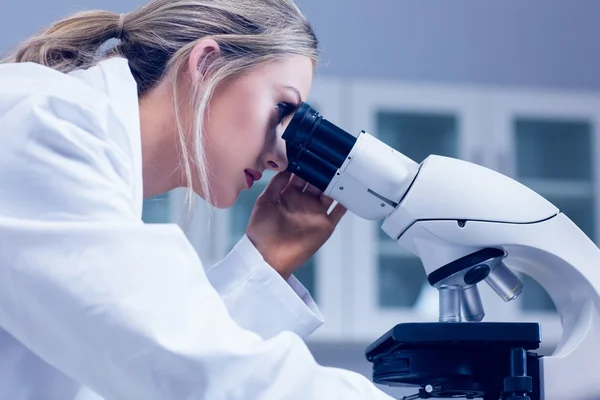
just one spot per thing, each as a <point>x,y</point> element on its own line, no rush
<point>246,133</point>
<point>237,127</point>
<point>235,140</point>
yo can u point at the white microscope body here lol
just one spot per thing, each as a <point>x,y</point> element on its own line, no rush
<point>444,209</point>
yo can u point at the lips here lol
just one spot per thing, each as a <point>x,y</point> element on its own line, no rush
<point>252,176</point>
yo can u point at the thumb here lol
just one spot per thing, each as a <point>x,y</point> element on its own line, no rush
<point>337,213</point>
<point>277,184</point>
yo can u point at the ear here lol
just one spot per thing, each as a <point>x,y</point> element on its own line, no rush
<point>202,54</point>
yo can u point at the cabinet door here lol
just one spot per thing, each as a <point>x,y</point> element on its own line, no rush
<point>549,142</point>
<point>390,284</point>
<point>160,209</point>
<point>193,218</point>
<point>322,274</point>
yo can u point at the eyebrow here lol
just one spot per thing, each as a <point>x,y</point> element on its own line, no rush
<point>297,92</point>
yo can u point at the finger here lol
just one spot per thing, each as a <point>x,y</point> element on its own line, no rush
<point>310,189</point>
<point>277,184</point>
<point>337,213</point>
<point>326,201</point>
<point>298,182</point>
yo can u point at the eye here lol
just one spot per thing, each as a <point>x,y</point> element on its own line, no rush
<point>285,109</point>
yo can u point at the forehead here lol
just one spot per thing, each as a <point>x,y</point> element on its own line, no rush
<point>294,70</point>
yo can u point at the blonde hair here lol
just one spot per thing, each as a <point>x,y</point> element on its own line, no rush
<point>158,38</point>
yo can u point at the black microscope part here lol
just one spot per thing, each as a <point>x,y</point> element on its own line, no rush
<point>315,147</point>
<point>463,263</point>
<point>489,360</point>
<point>518,385</point>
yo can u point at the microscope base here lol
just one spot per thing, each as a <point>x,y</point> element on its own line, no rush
<point>460,359</point>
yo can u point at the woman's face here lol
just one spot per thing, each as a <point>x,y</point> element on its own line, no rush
<point>244,124</point>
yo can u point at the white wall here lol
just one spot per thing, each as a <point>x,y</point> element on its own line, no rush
<point>550,43</point>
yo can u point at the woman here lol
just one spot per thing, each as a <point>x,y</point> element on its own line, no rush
<point>93,302</point>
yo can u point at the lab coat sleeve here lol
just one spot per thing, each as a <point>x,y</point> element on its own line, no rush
<point>258,298</point>
<point>123,307</point>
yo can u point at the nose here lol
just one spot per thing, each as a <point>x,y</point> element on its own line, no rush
<point>276,157</point>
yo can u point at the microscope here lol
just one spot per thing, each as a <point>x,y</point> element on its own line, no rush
<point>470,226</point>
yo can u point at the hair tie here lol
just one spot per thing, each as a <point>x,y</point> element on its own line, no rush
<point>120,27</point>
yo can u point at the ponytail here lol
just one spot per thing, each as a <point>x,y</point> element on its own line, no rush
<point>157,39</point>
<point>70,43</point>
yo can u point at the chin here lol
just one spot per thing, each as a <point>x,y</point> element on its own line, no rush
<point>220,197</point>
<point>224,200</point>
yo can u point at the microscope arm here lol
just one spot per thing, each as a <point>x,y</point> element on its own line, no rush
<point>446,211</point>
<point>455,208</point>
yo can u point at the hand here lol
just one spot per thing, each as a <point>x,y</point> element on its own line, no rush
<point>288,225</point>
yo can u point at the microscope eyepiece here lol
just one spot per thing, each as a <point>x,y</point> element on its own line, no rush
<point>315,147</point>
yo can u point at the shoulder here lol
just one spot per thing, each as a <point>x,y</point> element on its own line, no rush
<point>31,78</point>
<point>100,101</point>
<point>32,86</point>
<point>61,124</point>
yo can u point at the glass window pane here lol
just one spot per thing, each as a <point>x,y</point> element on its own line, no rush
<point>554,157</point>
<point>553,149</point>
<point>240,212</point>
<point>401,280</point>
<point>156,210</point>
<point>579,210</point>
<point>419,135</point>
<point>306,275</point>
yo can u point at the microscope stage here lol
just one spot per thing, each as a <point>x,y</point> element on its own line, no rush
<point>460,359</point>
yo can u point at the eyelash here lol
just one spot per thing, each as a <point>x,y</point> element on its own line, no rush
<point>285,109</point>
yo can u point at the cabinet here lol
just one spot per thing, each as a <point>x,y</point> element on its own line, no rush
<point>548,141</point>
<point>159,209</point>
<point>389,284</point>
<point>365,283</point>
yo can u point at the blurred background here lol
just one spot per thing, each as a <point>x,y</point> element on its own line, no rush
<point>511,85</point>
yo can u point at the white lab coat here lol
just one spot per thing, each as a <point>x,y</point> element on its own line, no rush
<point>92,300</point>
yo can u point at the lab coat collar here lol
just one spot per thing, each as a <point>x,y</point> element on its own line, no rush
<point>114,78</point>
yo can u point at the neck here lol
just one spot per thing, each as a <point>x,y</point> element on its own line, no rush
<point>159,141</point>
